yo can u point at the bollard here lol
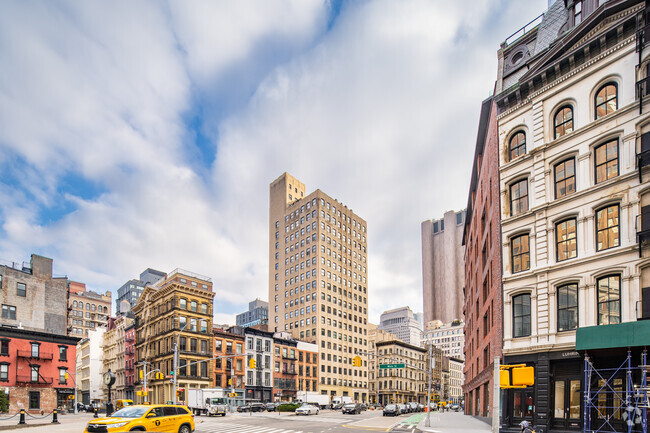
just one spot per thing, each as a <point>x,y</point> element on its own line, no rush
<point>55,417</point>
<point>95,411</point>
<point>22,417</point>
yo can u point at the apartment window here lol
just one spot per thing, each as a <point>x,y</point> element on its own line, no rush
<point>35,350</point>
<point>519,197</point>
<point>609,300</point>
<point>182,322</point>
<point>567,307</point>
<point>606,161</point>
<point>183,304</point>
<point>8,312</point>
<point>520,253</point>
<point>607,228</point>
<point>63,353</point>
<point>4,372</point>
<point>21,289</point>
<point>563,122</point>
<point>565,178</point>
<point>204,308</point>
<point>606,100</point>
<point>204,369</point>
<point>193,306</point>
<point>182,369</point>
<point>62,379</point>
<point>517,145</point>
<point>193,324</point>
<point>204,346</point>
<point>193,345</point>
<point>217,345</point>
<point>577,12</point>
<point>34,373</point>
<point>4,346</point>
<point>521,315</point>
<point>34,399</point>
<point>204,326</point>
<point>566,242</point>
<point>182,344</point>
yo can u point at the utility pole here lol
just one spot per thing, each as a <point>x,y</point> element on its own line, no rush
<point>175,378</point>
<point>427,422</point>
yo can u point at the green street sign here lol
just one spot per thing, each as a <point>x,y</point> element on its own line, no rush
<point>391,365</point>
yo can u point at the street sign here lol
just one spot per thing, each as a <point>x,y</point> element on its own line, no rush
<point>391,365</point>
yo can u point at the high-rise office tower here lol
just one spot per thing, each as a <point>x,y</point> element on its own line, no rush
<point>318,282</point>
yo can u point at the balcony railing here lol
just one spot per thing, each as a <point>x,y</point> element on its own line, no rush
<point>28,379</point>
<point>29,354</point>
<point>289,372</point>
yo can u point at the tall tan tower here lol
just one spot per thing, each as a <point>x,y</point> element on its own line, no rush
<point>318,282</point>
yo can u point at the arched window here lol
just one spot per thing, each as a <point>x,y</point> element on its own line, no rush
<point>565,178</point>
<point>606,100</point>
<point>609,299</point>
<point>517,145</point>
<point>521,315</point>
<point>567,307</point>
<point>74,304</point>
<point>563,121</point>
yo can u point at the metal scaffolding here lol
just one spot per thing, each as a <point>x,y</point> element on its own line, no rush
<point>615,400</point>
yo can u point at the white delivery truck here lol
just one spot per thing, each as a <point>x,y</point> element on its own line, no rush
<point>341,400</point>
<point>208,401</point>
<point>322,400</point>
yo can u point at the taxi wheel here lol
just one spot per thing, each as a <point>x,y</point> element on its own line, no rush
<point>184,429</point>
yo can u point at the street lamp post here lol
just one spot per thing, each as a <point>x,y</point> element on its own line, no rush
<point>176,361</point>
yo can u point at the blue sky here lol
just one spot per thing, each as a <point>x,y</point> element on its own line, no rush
<point>145,134</point>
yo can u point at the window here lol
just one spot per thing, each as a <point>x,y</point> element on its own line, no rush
<point>521,315</point>
<point>606,161</point>
<point>565,238</point>
<point>606,100</point>
<point>182,344</point>
<point>563,122</point>
<point>4,372</point>
<point>567,307</point>
<point>565,178</point>
<point>193,306</point>
<point>193,324</point>
<point>204,308</point>
<point>517,145</point>
<point>183,304</point>
<point>8,312</point>
<point>204,369</point>
<point>63,353</point>
<point>577,13</point>
<point>21,289</point>
<point>182,322</point>
<point>520,253</point>
<point>34,399</point>
<point>607,229</point>
<point>217,345</point>
<point>34,371</point>
<point>62,379</point>
<point>204,326</point>
<point>609,295</point>
<point>35,350</point>
<point>4,346</point>
<point>519,197</point>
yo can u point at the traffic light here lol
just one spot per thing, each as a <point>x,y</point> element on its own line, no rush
<point>504,378</point>
<point>252,363</point>
<point>160,376</point>
<point>141,374</point>
<point>523,376</point>
<point>180,394</point>
<point>67,376</point>
<point>229,382</point>
<point>356,361</point>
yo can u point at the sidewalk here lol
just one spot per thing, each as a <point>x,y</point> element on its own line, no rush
<point>453,422</point>
<point>40,424</point>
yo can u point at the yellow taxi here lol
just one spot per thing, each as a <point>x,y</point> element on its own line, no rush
<point>151,418</point>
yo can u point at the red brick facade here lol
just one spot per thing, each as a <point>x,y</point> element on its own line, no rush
<point>483,291</point>
<point>33,367</point>
<point>232,367</point>
<point>129,362</point>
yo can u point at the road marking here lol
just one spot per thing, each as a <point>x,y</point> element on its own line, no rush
<point>365,428</point>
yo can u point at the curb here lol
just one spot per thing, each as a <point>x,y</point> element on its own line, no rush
<point>17,426</point>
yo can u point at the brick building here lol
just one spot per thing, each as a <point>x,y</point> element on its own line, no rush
<point>229,370</point>
<point>129,361</point>
<point>87,309</point>
<point>307,366</point>
<point>483,296</point>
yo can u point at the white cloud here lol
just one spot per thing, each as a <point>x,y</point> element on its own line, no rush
<point>379,112</point>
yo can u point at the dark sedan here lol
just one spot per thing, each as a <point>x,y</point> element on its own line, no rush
<point>391,410</point>
<point>354,408</point>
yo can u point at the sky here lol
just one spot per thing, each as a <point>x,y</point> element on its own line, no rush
<point>146,134</point>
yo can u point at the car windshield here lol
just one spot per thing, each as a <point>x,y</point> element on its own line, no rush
<point>130,412</point>
<point>390,406</point>
<point>349,405</point>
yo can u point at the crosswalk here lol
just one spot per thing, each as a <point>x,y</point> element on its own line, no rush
<point>239,428</point>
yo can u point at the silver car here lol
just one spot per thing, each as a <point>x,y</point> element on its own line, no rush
<point>307,409</point>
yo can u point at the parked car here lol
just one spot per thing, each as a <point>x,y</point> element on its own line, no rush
<point>455,407</point>
<point>413,406</point>
<point>145,417</point>
<point>337,406</point>
<point>251,407</point>
<point>391,410</point>
<point>307,409</point>
<point>354,408</point>
<point>270,407</point>
<point>402,408</point>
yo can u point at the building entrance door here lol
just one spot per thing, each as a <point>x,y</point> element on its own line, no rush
<point>566,404</point>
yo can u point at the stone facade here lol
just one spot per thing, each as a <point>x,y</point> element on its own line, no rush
<point>87,309</point>
<point>443,278</point>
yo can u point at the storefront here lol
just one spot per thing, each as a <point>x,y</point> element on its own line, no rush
<point>65,399</point>
<point>554,402</point>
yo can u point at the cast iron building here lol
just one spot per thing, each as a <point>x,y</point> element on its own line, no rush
<point>483,296</point>
<point>443,276</point>
<point>318,281</point>
<point>574,130</point>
